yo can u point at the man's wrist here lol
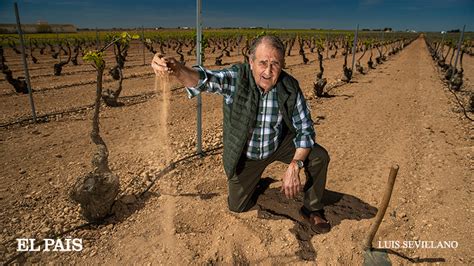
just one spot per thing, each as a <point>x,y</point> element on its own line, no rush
<point>298,163</point>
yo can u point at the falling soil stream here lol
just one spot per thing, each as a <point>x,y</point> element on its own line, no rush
<point>164,85</point>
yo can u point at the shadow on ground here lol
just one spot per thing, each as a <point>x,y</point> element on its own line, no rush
<point>272,204</point>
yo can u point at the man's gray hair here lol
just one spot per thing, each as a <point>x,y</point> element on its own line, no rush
<point>274,41</point>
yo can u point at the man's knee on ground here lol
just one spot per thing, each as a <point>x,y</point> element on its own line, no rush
<point>238,208</point>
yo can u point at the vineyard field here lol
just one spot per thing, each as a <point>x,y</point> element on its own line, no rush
<point>400,111</point>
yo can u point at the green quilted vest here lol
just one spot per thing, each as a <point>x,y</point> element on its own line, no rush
<point>240,115</point>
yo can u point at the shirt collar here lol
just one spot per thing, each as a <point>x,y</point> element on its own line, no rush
<point>263,93</point>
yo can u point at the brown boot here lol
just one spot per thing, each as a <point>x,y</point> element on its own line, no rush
<point>317,221</point>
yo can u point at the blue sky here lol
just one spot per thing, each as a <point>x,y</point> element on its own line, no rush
<point>421,15</point>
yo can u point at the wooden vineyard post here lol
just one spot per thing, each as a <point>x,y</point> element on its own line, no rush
<point>25,63</point>
<point>239,39</point>
<point>97,44</point>
<point>59,46</point>
<point>354,47</point>
<point>29,45</point>
<point>459,48</point>
<point>143,44</point>
<point>442,45</point>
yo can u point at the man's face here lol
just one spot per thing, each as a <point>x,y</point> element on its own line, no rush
<point>267,65</point>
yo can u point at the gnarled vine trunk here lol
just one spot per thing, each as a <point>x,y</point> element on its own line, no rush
<point>96,191</point>
<point>318,86</point>
<point>347,72</point>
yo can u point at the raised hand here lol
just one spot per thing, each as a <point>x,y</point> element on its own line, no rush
<point>165,65</point>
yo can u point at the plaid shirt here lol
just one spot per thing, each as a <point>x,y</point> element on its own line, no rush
<point>266,135</point>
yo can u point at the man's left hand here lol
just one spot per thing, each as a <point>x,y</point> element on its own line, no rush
<point>291,181</point>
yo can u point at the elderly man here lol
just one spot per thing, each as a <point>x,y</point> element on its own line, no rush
<point>266,119</point>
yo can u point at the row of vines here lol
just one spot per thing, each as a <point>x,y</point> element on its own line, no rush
<point>70,50</point>
<point>448,53</point>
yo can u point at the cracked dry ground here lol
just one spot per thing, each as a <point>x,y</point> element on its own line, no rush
<point>398,113</point>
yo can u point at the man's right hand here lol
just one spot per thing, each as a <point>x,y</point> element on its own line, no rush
<point>165,65</point>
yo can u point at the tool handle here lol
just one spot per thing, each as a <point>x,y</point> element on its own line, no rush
<point>382,208</point>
